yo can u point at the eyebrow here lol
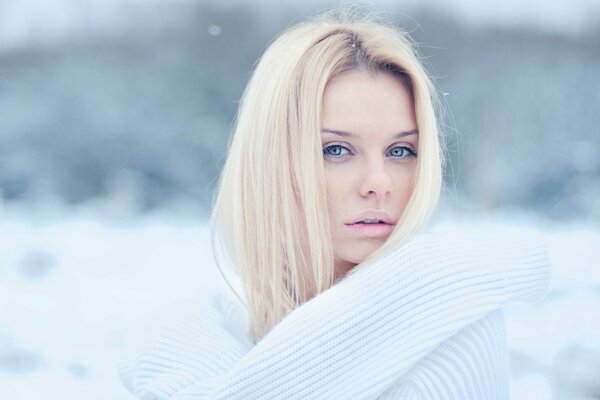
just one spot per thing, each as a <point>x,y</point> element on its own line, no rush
<point>352,135</point>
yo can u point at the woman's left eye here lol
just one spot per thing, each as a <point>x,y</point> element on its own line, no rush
<point>401,152</point>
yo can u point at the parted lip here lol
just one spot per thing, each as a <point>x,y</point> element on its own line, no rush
<point>373,214</point>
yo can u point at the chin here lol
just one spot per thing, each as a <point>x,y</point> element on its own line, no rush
<point>358,252</point>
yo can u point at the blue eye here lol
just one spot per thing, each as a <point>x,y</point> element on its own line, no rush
<point>335,150</point>
<point>401,152</point>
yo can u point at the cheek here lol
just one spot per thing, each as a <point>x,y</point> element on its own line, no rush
<point>338,187</point>
<point>404,184</point>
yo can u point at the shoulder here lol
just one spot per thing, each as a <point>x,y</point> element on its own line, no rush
<point>190,342</point>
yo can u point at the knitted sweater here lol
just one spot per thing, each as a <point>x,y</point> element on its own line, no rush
<point>422,322</point>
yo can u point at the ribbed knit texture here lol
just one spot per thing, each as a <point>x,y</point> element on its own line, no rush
<point>422,322</point>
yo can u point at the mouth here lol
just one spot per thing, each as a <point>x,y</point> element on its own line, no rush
<point>372,216</point>
<point>371,222</point>
<point>371,228</point>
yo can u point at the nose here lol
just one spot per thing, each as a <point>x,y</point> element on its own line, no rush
<point>376,182</point>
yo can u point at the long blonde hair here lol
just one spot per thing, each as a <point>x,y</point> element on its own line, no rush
<point>270,212</point>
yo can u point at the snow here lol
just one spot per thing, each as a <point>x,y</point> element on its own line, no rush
<point>72,285</point>
<point>70,289</point>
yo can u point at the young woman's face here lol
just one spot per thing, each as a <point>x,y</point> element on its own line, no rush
<point>370,144</point>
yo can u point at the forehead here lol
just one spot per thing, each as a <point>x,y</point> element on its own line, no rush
<point>364,103</point>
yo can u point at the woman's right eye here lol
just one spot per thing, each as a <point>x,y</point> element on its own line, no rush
<point>335,151</point>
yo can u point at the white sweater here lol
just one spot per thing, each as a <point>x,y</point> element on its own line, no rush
<point>423,322</point>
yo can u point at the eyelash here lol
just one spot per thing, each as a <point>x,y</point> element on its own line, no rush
<point>410,152</point>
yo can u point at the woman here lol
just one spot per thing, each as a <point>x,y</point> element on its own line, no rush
<point>334,168</point>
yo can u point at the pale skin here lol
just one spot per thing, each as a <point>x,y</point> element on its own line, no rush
<point>370,148</point>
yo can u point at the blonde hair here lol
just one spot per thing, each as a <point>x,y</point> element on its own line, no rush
<point>270,213</point>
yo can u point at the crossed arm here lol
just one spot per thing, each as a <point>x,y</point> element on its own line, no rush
<point>378,332</point>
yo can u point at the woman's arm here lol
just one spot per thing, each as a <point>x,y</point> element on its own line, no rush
<point>370,329</point>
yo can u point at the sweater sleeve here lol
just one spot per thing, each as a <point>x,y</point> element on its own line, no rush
<point>363,334</point>
<point>470,365</point>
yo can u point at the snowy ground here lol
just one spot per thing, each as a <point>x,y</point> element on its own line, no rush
<point>71,286</point>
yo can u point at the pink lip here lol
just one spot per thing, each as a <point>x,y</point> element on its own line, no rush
<point>373,214</point>
<point>380,230</point>
<point>371,230</point>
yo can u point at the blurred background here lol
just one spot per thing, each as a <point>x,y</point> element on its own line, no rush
<point>114,122</point>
